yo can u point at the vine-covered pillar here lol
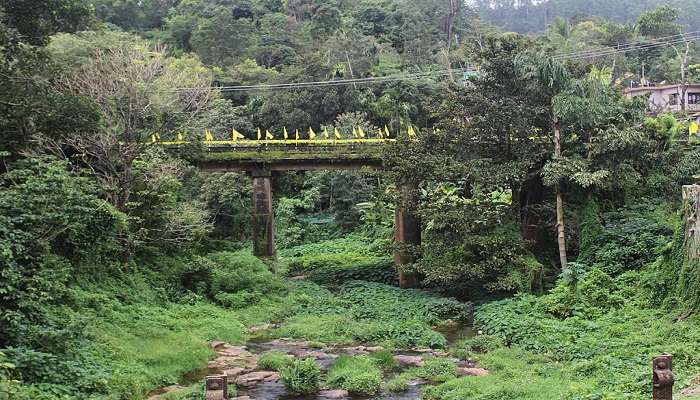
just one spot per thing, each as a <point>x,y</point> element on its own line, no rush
<point>263,215</point>
<point>406,234</point>
<point>691,202</point>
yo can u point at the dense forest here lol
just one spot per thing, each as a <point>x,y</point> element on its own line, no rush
<point>557,253</point>
<point>530,16</point>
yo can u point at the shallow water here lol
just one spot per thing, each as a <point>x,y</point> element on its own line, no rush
<point>277,391</point>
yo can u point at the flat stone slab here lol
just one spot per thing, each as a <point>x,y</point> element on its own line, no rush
<point>216,344</point>
<point>234,372</point>
<point>464,371</point>
<point>334,394</point>
<point>253,378</point>
<point>409,361</point>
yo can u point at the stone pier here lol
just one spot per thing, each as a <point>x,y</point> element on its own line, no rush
<point>263,215</point>
<point>407,234</point>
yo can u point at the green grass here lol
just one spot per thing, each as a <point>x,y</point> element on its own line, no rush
<point>516,374</point>
<point>359,374</point>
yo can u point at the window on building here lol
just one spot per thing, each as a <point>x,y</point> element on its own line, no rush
<point>693,98</point>
<point>673,99</point>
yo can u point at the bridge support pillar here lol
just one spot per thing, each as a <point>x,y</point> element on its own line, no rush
<point>263,215</point>
<point>407,234</point>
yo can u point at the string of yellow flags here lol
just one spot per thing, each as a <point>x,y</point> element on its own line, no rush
<point>358,135</point>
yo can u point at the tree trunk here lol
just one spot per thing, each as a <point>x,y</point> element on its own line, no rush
<point>691,201</point>
<point>561,235</point>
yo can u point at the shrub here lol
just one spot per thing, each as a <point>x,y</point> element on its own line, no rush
<point>437,370</point>
<point>301,376</point>
<point>358,374</point>
<point>232,279</point>
<point>396,385</point>
<point>384,359</point>
<point>480,344</point>
<point>274,361</point>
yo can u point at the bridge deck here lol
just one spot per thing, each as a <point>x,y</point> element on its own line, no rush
<point>290,155</point>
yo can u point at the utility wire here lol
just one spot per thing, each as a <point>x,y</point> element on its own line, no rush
<point>627,48</point>
<point>634,43</point>
<point>339,82</point>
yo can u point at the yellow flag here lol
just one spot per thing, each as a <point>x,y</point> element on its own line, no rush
<point>259,134</point>
<point>180,137</point>
<point>361,132</point>
<point>354,132</point>
<point>325,132</point>
<point>268,135</point>
<point>286,135</point>
<point>312,134</point>
<point>386,131</point>
<point>337,134</point>
<point>208,137</point>
<point>411,132</point>
<point>694,128</point>
<point>236,135</point>
<point>155,137</point>
<point>296,135</point>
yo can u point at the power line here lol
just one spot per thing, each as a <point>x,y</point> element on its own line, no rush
<point>338,82</point>
<point>680,36</point>
<point>627,48</point>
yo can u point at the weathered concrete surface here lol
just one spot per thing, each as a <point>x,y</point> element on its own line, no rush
<point>407,234</point>
<point>691,202</point>
<point>263,215</point>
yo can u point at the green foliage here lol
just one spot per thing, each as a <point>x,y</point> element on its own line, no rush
<point>233,279</point>
<point>516,374</point>
<point>369,313</point>
<point>53,226</point>
<point>631,238</point>
<point>358,374</point>
<point>274,361</point>
<point>301,376</point>
<point>480,344</point>
<point>437,370</point>
<point>397,384</point>
<point>377,302</point>
<point>613,348</point>
<point>384,359</point>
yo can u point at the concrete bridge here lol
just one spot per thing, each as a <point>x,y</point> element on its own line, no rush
<point>262,159</point>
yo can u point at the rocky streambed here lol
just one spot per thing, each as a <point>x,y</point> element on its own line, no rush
<point>240,364</point>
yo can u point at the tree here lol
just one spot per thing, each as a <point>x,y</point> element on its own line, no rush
<point>134,90</point>
<point>551,77</point>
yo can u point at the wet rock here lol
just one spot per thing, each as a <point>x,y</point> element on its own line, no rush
<point>464,371</point>
<point>216,344</point>
<point>409,361</point>
<point>334,394</point>
<point>259,328</point>
<point>234,351</point>
<point>374,349</point>
<point>423,350</point>
<point>272,378</point>
<point>234,372</point>
<point>254,378</point>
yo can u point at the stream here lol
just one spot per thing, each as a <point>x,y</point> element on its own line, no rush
<point>240,362</point>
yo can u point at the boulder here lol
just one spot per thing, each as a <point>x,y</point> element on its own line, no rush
<point>233,372</point>
<point>465,371</point>
<point>253,378</point>
<point>409,361</point>
<point>334,394</point>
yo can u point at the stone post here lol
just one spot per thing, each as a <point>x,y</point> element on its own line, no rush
<point>263,215</point>
<point>662,377</point>
<point>691,202</point>
<point>407,233</point>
